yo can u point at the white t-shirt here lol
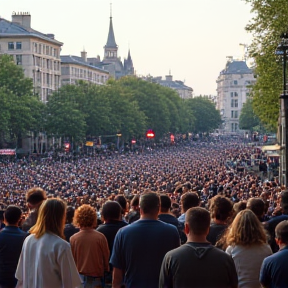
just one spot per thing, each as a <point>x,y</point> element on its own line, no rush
<point>47,262</point>
<point>248,261</point>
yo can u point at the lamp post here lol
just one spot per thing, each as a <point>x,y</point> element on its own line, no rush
<point>282,50</point>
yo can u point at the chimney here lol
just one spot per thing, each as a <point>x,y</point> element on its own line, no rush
<point>169,78</point>
<point>22,18</point>
<point>84,55</point>
<point>50,35</point>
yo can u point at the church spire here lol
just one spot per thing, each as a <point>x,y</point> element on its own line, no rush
<point>111,43</point>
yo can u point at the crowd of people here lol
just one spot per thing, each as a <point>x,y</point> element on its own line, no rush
<point>205,189</point>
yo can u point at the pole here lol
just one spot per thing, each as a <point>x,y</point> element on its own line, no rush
<point>284,102</point>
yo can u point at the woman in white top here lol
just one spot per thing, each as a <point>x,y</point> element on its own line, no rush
<point>248,247</point>
<point>46,260</point>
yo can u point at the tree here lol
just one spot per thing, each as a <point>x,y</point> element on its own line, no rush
<point>269,21</point>
<point>248,119</point>
<point>18,104</point>
<point>207,118</point>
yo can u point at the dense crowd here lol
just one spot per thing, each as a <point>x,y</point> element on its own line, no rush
<point>218,175</point>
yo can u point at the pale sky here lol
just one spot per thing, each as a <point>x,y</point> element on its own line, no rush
<point>191,38</point>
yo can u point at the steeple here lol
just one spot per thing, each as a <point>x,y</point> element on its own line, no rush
<point>111,48</point>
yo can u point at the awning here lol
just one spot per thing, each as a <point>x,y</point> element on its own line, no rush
<point>271,147</point>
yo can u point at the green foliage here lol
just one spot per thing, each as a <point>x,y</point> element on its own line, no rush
<point>270,19</point>
<point>20,111</point>
<point>207,118</point>
<point>248,119</point>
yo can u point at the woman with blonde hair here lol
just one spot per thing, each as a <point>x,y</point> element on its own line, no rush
<point>247,244</point>
<point>46,259</point>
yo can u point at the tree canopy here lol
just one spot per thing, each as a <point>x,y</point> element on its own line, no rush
<point>268,23</point>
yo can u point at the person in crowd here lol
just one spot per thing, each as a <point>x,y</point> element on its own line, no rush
<point>274,270</point>
<point>139,248</point>
<point>123,203</point>
<point>239,206</point>
<point>46,259</point>
<point>257,205</point>
<point>2,225</point>
<point>165,215</point>
<point>11,241</point>
<point>197,263</point>
<point>221,209</point>
<point>272,223</point>
<point>69,228</point>
<point>247,244</point>
<point>89,248</point>
<point>134,213</point>
<point>112,222</point>
<point>188,200</point>
<point>34,198</point>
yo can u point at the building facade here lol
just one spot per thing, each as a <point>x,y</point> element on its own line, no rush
<point>233,87</point>
<point>37,53</point>
<point>75,68</point>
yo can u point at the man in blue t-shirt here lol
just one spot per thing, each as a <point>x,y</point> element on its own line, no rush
<point>139,248</point>
<point>11,241</point>
<point>274,270</point>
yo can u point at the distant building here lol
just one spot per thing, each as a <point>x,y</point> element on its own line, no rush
<point>75,68</point>
<point>36,52</point>
<point>184,91</point>
<point>111,62</point>
<point>233,88</point>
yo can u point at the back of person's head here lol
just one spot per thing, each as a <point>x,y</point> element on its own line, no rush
<point>187,186</point>
<point>85,217</point>
<point>165,203</point>
<point>111,210</point>
<point>198,220</point>
<point>284,201</point>
<point>257,205</point>
<point>35,196</point>
<point>70,214</point>
<point>246,229</point>
<point>281,232</point>
<point>51,218</point>
<point>122,201</point>
<point>135,201</point>
<point>221,208</point>
<point>149,203</point>
<point>239,206</point>
<point>189,200</point>
<point>12,215</point>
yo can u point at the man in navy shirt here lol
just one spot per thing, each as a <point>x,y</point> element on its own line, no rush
<point>11,241</point>
<point>274,270</point>
<point>139,248</point>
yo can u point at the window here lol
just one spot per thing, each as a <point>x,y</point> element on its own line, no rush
<point>232,127</point>
<point>19,59</point>
<point>232,114</point>
<point>232,102</point>
<point>231,94</point>
<point>35,47</point>
<point>235,94</point>
<point>235,82</point>
<point>10,45</point>
<point>18,45</point>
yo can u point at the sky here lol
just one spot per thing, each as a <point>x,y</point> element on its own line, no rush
<point>190,39</point>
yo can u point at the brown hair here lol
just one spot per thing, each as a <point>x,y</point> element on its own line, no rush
<point>51,218</point>
<point>246,229</point>
<point>35,195</point>
<point>220,207</point>
<point>85,216</point>
<point>198,220</point>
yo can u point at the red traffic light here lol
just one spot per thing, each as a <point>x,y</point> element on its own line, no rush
<point>133,141</point>
<point>150,134</point>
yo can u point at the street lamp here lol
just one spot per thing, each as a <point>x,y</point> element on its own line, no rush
<point>282,50</point>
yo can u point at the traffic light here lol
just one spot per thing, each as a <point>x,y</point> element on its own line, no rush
<point>133,141</point>
<point>150,134</point>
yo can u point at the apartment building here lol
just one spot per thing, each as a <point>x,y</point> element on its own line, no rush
<point>75,68</point>
<point>233,87</point>
<point>36,52</point>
